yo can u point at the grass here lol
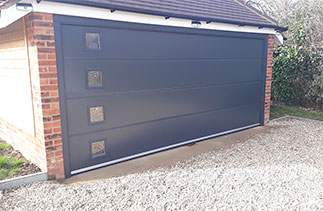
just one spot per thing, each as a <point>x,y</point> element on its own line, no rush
<point>277,111</point>
<point>9,166</point>
<point>4,146</point>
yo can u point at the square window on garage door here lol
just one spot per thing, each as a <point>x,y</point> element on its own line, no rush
<point>94,79</point>
<point>96,114</point>
<point>92,41</point>
<point>97,148</point>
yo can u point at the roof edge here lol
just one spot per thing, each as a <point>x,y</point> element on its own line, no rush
<point>257,12</point>
<point>150,12</point>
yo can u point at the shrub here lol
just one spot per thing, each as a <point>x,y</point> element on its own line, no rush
<point>298,69</point>
<point>298,64</point>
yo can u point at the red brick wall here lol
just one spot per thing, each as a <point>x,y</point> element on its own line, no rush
<point>41,47</point>
<point>269,76</point>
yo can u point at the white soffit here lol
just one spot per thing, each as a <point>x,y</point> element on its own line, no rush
<point>106,14</point>
<point>12,14</point>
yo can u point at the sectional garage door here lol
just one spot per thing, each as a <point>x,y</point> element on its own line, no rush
<point>132,89</point>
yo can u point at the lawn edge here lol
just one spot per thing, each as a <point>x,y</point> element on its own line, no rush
<point>295,117</point>
<point>23,180</point>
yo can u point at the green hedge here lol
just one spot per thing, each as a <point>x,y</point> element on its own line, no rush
<point>298,69</point>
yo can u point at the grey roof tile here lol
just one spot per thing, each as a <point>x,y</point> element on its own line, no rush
<point>223,11</point>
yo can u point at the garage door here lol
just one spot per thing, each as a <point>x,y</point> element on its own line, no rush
<point>130,89</point>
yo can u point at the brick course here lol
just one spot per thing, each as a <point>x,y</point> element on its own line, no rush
<point>41,47</point>
<point>270,52</point>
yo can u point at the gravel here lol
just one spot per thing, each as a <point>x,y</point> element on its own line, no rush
<point>280,170</point>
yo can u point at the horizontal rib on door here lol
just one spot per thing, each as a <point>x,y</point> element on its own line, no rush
<point>133,108</point>
<point>140,44</point>
<point>140,138</point>
<point>134,75</point>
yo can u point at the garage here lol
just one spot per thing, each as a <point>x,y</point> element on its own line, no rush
<point>105,81</point>
<point>133,89</point>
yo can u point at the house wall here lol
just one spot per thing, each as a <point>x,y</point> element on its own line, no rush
<point>16,106</point>
<point>14,76</point>
<point>42,57</point>
<point>30,115</point>
<point>270,53</point>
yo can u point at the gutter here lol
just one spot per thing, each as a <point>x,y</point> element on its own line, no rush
<point>166,14</point>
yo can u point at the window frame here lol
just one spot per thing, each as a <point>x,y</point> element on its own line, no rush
<point>87,78</point>
<point>100,43</point>
<point>89,115</point>
<point>99,155</point>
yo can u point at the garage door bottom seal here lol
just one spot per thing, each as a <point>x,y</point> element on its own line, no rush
<point>158,150</point>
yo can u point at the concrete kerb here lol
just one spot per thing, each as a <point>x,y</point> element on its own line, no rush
<point>23,180</point>
<point>295,117</point>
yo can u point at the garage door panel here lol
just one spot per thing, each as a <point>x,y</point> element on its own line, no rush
<point>132,88</point>
<point>127,141</point>
<point>126,76</point>
<point>127,109</point>
<point>140,44</point>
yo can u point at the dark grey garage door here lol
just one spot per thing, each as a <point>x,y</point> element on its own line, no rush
<point>131,89</point>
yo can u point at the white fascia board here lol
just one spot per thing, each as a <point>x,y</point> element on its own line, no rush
<point>106,14</point>
<point>279,39</point>
<point>12,14</point>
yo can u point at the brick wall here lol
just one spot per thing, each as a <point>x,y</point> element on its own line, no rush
<point>269,76</point>
<point>41,47</point>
